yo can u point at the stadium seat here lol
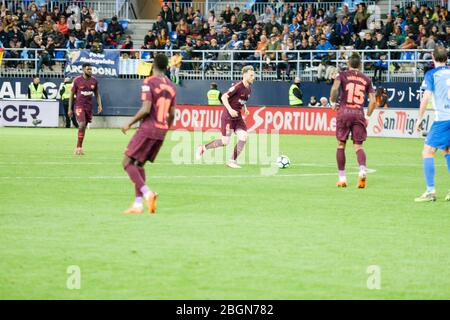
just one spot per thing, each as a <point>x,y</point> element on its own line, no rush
<point>124,24</point>
<point>173,36</point>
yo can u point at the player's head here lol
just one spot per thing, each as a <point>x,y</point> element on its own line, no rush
<point>440,55</point>
<point>160,63</point>
<point>354,61</point>
<point>87,69</point>
<point>36,79</point>
<point>248,74</point>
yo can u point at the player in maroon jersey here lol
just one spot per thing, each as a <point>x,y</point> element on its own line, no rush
<point>354,85</point>
<point>84,87</point>
<point>156,115</point>
<point>233,100</point>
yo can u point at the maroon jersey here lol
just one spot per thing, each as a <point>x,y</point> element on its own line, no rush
<point>84,90</point>
<point>161,92</point>
<point>238,96</point>
<point>355,86</point>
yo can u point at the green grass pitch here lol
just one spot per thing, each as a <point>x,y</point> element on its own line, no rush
<point>293,235</point>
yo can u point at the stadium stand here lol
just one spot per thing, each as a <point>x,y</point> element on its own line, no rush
<point>280,39</point>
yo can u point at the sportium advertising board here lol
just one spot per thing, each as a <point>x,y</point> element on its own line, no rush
<point>286,120</point>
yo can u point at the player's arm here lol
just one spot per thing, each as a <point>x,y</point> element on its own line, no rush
<point>141,114</point>
<point>423,107</point>
<point>372,104</point>
<point>71,98</point>
<point>227,105</point>
<point>99,99</point>
<point>334,93</point>
<point>171,117</point>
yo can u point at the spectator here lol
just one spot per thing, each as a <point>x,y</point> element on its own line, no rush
<point>227,14</point>
<point>273,24</point>
<point>47,55</point>
<point>115,31</point>
<point>324,102</point>
<point>313,102</point>
<point>48,24</point>
<point>249,17</point>
<point>80,36</point>
<point>287,60</point>
<point>380,66</point>
<point>287,14</point>
<point>323,47</point>
<point>175,65</point>
<point>62,26</point>
<point>42,15</point>
<point>196,28</point>
<point>55,14</point>
<point>93,15</point>
<point>159,24</point>
<point>87,24</point>
<point>91,37</point>
<point>127,45</point>
<point>163,37</point>
<point>167,16</point>
<point>344,30</point>
<point>25,23</point>
<point>178,15</point>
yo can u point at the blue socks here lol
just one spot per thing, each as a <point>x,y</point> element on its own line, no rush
<point>428,168</point>
<point>447,157</point>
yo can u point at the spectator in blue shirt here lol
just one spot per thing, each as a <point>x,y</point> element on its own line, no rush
<point>294,25</point>
<point>323,47</point>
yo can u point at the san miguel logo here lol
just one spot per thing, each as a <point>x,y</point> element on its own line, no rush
<point>398,121</point>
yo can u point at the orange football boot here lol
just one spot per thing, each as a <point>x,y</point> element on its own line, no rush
<point>341,184</point>
<point>134,210</point>
<point>361,182</point>
<point>151,202</point>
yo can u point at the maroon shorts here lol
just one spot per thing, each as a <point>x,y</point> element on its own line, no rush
<point>351,122</point>
<point>83,115</point>
<point>142,148</point>
<point>229,124</point>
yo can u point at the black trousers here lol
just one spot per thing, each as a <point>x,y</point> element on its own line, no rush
<point>66,114</point>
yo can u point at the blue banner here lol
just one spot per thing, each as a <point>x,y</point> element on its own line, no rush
<point>104,64</point>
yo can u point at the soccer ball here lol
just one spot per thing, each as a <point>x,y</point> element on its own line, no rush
<point>283,162</point>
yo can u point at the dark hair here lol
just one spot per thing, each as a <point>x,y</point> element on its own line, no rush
<point>354,61</point>
<point>86,64</point>
<point>160,62</point>
<point>35,76</point>
<point>440,54</point>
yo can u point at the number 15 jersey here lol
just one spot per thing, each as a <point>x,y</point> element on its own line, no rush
<point>355,86</point>
<point>161,92</point>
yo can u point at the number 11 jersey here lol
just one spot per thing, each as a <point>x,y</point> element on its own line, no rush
<point>161,92</point>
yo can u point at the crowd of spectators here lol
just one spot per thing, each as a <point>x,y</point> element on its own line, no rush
<point>71,27</point>
<point>271,35</point>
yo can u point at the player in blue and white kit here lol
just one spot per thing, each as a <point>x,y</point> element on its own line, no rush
<point>436,86</point>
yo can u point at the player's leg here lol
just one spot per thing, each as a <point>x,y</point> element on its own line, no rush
<point>447,158</point>
<point>137,207</point>
<point>429,172</point>
<point>342,134</point>
<point>437,138</point>
<point>340,159</point>
<point>217,143</point>
<point>361,158</point>
<point>359,135</point>
<point>242,140</point>
<point>81,118</point>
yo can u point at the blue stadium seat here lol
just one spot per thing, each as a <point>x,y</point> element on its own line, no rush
<point>60,54</point>
<point>124,24</point>
<point>173,36</point>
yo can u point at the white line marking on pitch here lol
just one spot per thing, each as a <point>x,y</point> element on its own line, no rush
<point>186,177</point>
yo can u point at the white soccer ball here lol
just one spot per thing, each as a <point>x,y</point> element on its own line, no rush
<point>283,162</point>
